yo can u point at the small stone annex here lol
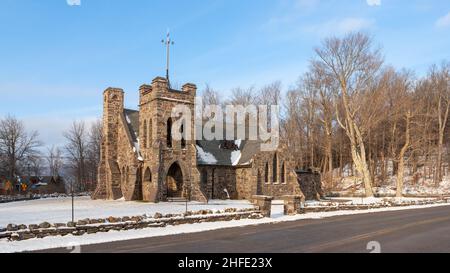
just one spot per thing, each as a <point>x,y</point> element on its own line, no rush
<point>141,161</point>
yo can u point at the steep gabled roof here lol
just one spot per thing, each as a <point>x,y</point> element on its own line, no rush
<point>209,152</point>
<point>132,119</point>
<point>219,153</point>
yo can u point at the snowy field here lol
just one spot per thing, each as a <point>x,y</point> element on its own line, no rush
<point>58,210</point>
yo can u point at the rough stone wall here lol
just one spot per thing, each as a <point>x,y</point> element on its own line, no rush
<point>274,187</point>
<point>311,185</point>
<point>218,179</point>
<point>108,187</point>
<point>246,179</point>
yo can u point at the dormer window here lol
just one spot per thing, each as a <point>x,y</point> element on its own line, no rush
<point>228,145</point>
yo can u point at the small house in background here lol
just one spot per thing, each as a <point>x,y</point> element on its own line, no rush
<point>310,184</point>
<point>43,184</point>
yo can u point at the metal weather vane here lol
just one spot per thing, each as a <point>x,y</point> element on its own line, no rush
<point>168,42</point>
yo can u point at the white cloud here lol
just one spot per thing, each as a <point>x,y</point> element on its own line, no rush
<point>74,2</point>
<point>374,2</point>
<point>443,21</point>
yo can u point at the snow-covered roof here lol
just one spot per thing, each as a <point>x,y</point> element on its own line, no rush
<point>216,152</point>
<point>132,119</point>
<point>206,158</point>
<point>226,153</point>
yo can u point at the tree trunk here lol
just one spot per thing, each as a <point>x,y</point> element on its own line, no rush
<point>401,158</point>
<point>330,162</point>
<point>356,141</point>
<point>442,125</point>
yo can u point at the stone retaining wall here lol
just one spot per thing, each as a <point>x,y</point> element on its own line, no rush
<point>382,195</point>
<point>29,197</point>
<point>90,226</point>
<point>372,206</point>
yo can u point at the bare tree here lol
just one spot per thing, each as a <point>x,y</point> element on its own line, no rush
<point>353,63</point>
<point>55,161</point>
<point>33,165</point>
<point>294,127</point>
<point>440,85</point>
<point>403,150</point>
<point>244,97</point>
<point>77,149</point>
<point>321,100</point>
<point>308,93</point>
<point>93,153</point>
<point>16,144</point>
<point>269,94</point>
<point>211,96</point>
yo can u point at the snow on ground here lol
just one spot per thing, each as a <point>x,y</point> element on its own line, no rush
<point>414,183</point>
<point>58,210</point>
<point>373,200</point>
<point>67,241</point>
<point>335,201</point>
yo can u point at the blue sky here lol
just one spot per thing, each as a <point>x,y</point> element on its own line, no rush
<point>56,59</point>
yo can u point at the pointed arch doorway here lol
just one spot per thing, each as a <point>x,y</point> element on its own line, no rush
<point>174,181</point>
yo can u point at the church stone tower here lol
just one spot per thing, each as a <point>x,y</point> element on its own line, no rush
<point>109,184</point>
<point>169,166</point>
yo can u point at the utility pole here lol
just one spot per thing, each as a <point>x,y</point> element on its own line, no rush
<point>168,42</point>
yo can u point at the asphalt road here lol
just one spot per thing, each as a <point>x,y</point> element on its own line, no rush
<point>416,231</point>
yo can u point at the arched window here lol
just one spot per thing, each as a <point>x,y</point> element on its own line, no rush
<point>169,133</point>
<point>275,169</point>
<point>266,174</point>
<point>144,140</point>
<point>148,176</point>
<point>123,176</point>
<point>283,173</point>
<point>183,140</point>
<point>204,178</point>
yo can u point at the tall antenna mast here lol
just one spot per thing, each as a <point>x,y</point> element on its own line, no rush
<point>168,42</point>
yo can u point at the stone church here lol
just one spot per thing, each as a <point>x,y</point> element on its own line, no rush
<point>141,161</point>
